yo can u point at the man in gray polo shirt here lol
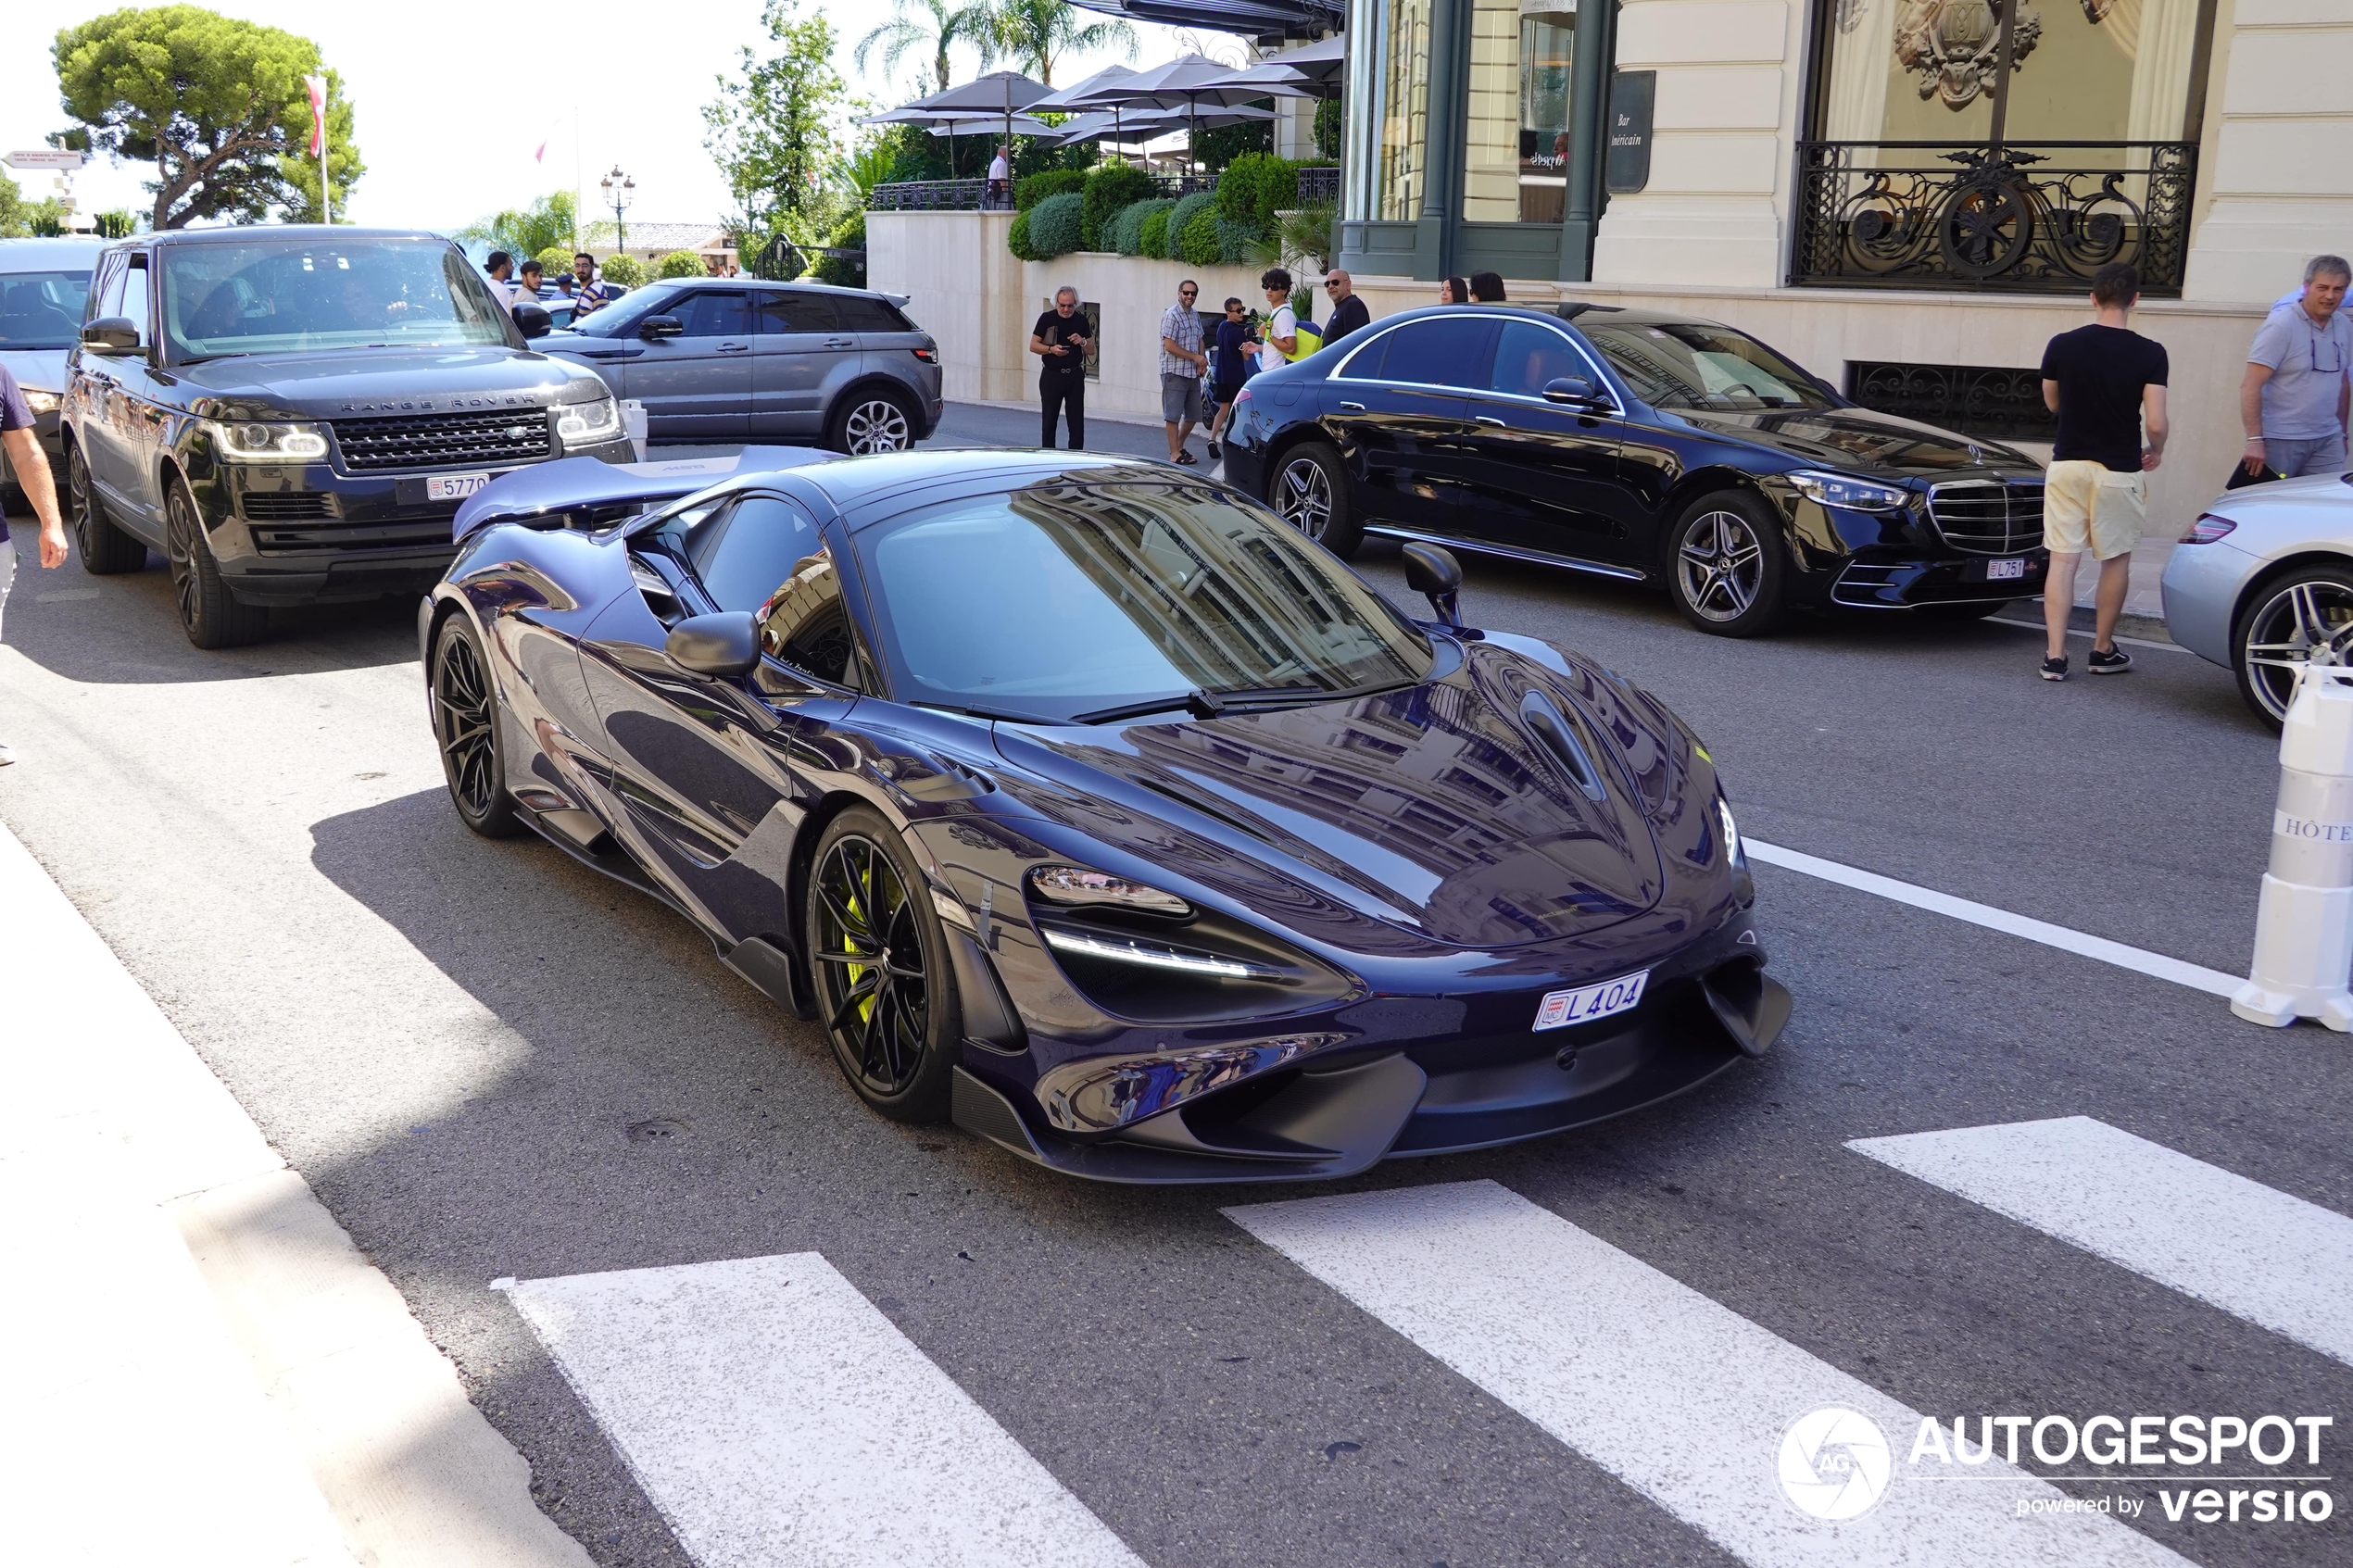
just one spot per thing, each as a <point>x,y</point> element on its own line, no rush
<point>2295,398</point>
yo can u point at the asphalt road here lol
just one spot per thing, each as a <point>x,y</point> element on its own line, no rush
<point>490,1062</point>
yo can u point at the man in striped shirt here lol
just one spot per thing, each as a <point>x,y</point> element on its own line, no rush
<point>1181,364</point>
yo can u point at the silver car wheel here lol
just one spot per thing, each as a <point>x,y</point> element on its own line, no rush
<point>1720,565</point>
<point>1304,497</point>
<point>876,426</point>
<point>2306,622</point>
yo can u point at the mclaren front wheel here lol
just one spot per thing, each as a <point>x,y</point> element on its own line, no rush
<point>886,994</point>
<point>465,729</point>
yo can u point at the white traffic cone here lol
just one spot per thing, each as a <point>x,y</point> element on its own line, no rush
<point>2304,928</point>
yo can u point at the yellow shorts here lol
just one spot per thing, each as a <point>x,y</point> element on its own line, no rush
<point>2090,504</point>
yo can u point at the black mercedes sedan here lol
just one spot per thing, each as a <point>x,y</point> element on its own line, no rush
<point>1649,447</point>
<point>1084,802</point>
<point>290,415</point>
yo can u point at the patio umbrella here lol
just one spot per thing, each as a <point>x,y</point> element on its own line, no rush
<point>1185,82</point>
<point>981,125</point>
<point>999,92</point>
<point>1316,65</point>
<point>1067,99</point>
<point>1155,122</point>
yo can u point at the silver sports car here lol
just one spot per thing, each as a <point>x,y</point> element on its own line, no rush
<point>2263,582</point>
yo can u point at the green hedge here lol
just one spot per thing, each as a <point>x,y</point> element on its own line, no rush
<point>1111,189</point>
<point>1057,225</point>
<point>1255,186</point>
<point>1017,239</point>
<point>1031,188</point>
<point>680,264</point>
<point>1153,232</point>
<point>625,271</point>
<point>1192,230</point>
<point>1128,225</point>
<point>849,234</point>
<point>1238,243</point>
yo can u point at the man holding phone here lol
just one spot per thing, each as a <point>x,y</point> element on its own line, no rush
<point>1059,341</point>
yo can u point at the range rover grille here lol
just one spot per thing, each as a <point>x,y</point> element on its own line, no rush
<point>1989,517</point>
<point>446,441</point>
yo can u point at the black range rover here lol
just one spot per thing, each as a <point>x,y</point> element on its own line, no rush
<point>291,415</point>
<point>1643,447</point>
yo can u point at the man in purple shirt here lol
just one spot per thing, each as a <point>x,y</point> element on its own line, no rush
<point>30,466</point>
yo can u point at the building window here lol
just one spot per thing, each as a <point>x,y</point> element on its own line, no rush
<point>1992,402</point>
<point>1392,58</point>
<point>1934,163</point>
<point>1516,144</point>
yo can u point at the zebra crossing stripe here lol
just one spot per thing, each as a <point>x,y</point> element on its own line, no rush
<point>777,1419</point>
<point>2255,1252</point>
<point>1682,1398</point>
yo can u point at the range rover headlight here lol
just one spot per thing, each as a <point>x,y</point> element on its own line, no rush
<point>1845,490</point>
<point>252,441</point>
<point>588,424</point>
<point>42,402</point>
<point>1075,886</point>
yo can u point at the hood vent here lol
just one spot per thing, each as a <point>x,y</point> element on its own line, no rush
<point>1558,742</point>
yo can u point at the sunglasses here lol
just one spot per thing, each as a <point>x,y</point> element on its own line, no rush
<point>1331,282</point>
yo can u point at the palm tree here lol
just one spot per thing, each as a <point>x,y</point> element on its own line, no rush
<point>932,26</point>
<point>1033,33</point>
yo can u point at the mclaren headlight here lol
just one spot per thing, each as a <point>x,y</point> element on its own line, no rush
<point>588,424</point>
<point>1845,490</point>
<point>253,441</point>
<point>1076,887</point>
<point>1733,851</point>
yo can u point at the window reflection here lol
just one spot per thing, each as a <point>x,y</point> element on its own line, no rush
<point>802,624</point>
<point>1516,145</point>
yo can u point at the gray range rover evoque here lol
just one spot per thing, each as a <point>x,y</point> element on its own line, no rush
<point>290,415</point>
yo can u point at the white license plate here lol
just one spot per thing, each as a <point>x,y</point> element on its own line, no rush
<point>1996,570</point>
<point>458,486</point>
<point>1561,1008</point>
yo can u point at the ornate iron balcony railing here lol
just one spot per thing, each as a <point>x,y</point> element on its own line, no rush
<point>2033,218</point>
<point>1319,184</point>
<point>929,195</point>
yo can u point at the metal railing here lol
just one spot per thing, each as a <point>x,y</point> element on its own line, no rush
<point>1320,184</point>
<point>780,260</point>
<point>2037,219</point>
<point>929,195</point>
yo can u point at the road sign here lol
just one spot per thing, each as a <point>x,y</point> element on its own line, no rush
<point>44,157</point>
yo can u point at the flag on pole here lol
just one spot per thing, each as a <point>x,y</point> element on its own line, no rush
<point>318,85</point>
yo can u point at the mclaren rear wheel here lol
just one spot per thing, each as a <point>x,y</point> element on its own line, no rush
<point>465,729</point>
<point>886,994</point>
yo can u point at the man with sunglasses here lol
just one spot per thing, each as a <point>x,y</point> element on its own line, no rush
<point>1348,308</point>
<point>2294,399</point>
<point>1181,364</point>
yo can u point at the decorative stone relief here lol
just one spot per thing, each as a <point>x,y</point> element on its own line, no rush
<point>1955,46</point>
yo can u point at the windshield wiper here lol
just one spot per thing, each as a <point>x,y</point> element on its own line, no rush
<point>205,359</point>
<point>999,713</point>
<point>1213,701</point>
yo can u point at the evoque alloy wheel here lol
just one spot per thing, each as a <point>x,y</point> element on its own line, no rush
<point>2304,618</point>
<point>875,422</point>
<point>885,994</point>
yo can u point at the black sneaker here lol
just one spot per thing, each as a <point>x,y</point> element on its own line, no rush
<point>1213,453</point>
<point>2054,669</point>
<point>2114,661</point>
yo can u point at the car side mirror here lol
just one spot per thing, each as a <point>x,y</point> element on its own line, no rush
<point>111,334</point>
<point>1436,574</point>
<point>725,645</point>
<point>532,321</point>
<point>660,326</point>
<point>1574,390</point>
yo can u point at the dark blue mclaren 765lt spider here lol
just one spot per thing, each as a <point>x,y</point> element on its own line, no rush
<point>1084,801</point>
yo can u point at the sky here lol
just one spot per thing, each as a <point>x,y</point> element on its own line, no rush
<point>450,130</point>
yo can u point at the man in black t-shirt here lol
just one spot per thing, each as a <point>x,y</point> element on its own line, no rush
<point>1060,342</point>
<point>29,464</point>
<point>2106,384</point>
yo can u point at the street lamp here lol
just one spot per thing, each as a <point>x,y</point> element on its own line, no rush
<point>620,191</point>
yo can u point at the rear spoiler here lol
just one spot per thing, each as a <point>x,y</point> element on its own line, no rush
<point>590,485</point>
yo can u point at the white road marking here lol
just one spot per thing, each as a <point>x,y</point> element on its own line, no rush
<point>2255,1252</point>
<point>2178,971</point>
<point>2038,627</point>
<point>779,1420</point>
<point>1683,1399</point>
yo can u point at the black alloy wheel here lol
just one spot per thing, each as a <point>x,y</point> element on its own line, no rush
<point>1726,570</point>
<point>873,421</point>
<point>1309,491</point>
<point>106,550</point>
<point>212,617</point>
<point>884,990</point>
<point>2303,618</point>
<point>465,729</point>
